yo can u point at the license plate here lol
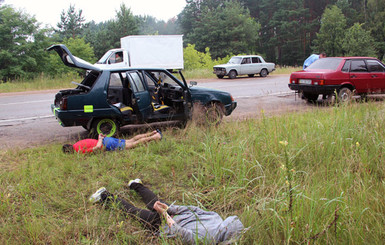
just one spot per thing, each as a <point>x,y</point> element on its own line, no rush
<point>305,81</point>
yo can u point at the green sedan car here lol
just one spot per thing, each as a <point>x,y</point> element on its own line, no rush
<point>108,99</point>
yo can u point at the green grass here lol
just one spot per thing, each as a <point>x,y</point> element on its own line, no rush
<point>40,83</point>
<point>44,82</point>
<point>325,186</point>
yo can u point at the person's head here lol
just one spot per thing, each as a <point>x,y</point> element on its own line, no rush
<point>68,148</point>
<point>322,55</point>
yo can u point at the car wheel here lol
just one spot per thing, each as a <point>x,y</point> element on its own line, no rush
<point>106,126</point>
<point>232,74</point>
<point>345,95</point>
<point>220,76</point>
<point>214,113</point>
<point>310,97</point>
<point>251,75</point>
<point>263,73</point>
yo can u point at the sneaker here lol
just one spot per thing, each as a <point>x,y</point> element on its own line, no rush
<point>134,181</point>
<point>159,132</point>
<point>97,195</point>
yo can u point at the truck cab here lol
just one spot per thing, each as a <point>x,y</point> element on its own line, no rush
<point>114,58</point>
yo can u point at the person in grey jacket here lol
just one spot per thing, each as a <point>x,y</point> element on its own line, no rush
<point>192,224</point>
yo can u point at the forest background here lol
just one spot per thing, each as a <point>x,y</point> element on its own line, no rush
<point>282,31</point>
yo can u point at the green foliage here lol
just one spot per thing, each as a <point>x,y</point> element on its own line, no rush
<point>306,178</point>
<point>226,28</point>
<point>195,60</point>
<point>358,42</point>
<point>71,23</point>
<point>22,45</point>
<point>151,26</point>
<point>332,32</point>
<point>78,48</point>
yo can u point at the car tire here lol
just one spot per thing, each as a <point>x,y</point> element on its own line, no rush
<point>345,95</point>
<point>214,113</point>
<point>251,75</point>
<point>310,97</point>
<point>232,74</point>
<point>263,73</point>
<point>106,126</point>
<point>220,76</point>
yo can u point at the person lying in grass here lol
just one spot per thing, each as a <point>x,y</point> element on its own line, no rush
<point>110,143</point>
<point>192,224</point>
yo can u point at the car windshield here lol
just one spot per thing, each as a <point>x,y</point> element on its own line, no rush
<point>325,64</point>
<point>235,60</point>
<point>104,58</point>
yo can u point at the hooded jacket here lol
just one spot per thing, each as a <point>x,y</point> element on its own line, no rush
<point>195,225</point>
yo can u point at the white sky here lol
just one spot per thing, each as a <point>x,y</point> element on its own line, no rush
<point>48,12</point>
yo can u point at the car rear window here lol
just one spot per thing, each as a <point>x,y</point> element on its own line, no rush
<point>326,64</point>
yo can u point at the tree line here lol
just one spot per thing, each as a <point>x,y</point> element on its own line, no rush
<point>283,31</point>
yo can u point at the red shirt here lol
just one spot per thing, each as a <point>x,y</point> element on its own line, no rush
<point>85,146</point>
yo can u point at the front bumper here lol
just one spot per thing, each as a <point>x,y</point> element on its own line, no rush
<point>220,72</point>
<point>314,89</point>
<point>230,108</point>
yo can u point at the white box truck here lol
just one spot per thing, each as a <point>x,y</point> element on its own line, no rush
<point>146,51</point>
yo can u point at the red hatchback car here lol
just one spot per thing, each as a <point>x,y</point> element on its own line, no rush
<point>342,75</point>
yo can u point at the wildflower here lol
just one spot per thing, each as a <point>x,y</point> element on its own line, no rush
<point>287,182</point>
<point>283,167</point>
<point>357,144</point>
<point>292,170</point>
<point>284,143</point>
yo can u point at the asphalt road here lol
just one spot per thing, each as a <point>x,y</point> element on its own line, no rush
<point>26,118</point>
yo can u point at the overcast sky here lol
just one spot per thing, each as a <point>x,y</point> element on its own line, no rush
<point>48,11</point>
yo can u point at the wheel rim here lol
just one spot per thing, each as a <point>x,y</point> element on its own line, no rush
<point>345,95</point>
<point>264,73</point>
<point>107,127</point>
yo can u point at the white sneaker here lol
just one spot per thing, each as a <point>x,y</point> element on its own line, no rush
<point>97,195</point>
<point>134,181</point>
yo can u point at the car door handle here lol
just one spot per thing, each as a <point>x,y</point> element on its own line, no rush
<point>353,76</point>
<point>374,76</point>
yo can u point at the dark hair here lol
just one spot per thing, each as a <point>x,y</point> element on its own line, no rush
<point>323,54</point>
<point>68,148</point>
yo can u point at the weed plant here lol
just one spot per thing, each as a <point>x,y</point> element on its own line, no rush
<point>305,178</point>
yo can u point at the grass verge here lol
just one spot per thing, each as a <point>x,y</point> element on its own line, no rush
<point>314,177</point>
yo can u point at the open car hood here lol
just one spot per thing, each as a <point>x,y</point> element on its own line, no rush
<point>70,60</point>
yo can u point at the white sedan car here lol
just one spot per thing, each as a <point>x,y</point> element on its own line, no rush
<point>244,65</point>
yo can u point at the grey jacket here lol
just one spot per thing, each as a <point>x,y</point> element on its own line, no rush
<point>195,225</point>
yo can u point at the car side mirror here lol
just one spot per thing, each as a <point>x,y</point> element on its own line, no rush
<point>193,83</point>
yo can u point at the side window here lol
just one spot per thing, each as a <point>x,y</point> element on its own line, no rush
<point>358,66</point>
<point>346,66</point>
<point>115,80</point>
<point>246,61</point>
<point>255,60</point>
<point>116,58</point>
<point>136,82</point>
<point>375,66</point>
<point>150,80</point>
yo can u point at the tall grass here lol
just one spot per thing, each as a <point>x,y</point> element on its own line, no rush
<point>315,177</point>
<point>41,82</point>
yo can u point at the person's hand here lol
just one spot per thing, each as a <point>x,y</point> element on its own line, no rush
<point>160,207</point>
<point>101,136</point>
